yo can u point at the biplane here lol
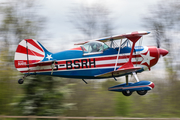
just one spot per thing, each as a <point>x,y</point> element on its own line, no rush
<point>106,57</point>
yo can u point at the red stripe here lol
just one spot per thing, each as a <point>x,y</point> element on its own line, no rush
<point>64,62</point>
<point>17,62</point>
<point>130,87</point>
<point>22,49</point>
<point>115,57</point>
<point>34,44</point>
<point>78,48</point>
<point>46,70</point>
<point>134,33</point>
<point>64,68</point>
<point>100,59</point>
<point>61,62</point>
<point>135,87</point>
<point>23,63</point>
<point>113,64</point>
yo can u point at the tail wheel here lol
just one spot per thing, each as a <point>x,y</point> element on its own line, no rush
<point>20,81</point>
<point>142,92</point>
<point>127,92</point>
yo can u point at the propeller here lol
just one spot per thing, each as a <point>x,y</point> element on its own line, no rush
<point>162,52</point>
<point>157,39</point>
<point>158,43</point>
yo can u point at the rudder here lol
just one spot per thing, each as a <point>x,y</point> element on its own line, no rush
<point>29,51</point>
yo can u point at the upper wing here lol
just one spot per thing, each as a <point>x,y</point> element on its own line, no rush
<point>116,37</point>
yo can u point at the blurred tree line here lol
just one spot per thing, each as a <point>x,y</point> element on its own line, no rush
<point>46,95</point>
<point>163,21</point>
<point>40,95</point>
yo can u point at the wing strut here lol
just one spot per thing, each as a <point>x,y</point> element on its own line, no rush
<point>129,64</point>
<point>112,43</point>
<point>118,55</point>
<point>128,67</point>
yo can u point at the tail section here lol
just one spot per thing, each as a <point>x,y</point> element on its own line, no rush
<point>28,52</point>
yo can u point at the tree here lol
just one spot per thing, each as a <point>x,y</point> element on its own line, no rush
<point>92,99</point>
<point>8,86</point>
<point>20,21</point>
<point>43,96</point>
<point>122,105</point>
<point>40,95</point>
<point>163,20</point>
<point>13,20</point>
<point>92,20</point>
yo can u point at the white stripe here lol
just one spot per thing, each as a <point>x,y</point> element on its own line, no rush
<point>20,56</point>
<point>70,69</point>
<point>35,68</point>
<point>105,56</point>
<point>137,59</point>
<point>31,47</point>
<point>144,50</point>
<point>103,62</point>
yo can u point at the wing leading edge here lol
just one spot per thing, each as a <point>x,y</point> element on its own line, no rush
<point>117,37</point>
<point>119,72</point>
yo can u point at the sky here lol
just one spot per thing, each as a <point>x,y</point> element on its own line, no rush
<point>128,16</point>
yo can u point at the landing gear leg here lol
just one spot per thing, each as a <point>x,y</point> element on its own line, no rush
<point>84,81</point>
<point>140,92</point>
<point>126,79</point>
<point>114,77</point>
<point>135,75</point>
<point>20,81</point>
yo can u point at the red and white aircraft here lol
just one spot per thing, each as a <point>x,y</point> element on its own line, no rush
<point>94,59</point>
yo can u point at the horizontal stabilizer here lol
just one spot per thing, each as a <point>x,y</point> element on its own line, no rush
<point>44,63</point>
<point>120,72</point>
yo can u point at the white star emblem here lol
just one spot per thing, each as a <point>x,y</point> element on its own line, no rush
<point>49,57</point>
<point>147,58</point>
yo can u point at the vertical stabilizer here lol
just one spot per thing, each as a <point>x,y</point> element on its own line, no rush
<point>28,51</point>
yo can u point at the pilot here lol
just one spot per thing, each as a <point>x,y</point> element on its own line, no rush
<point>96,47</point>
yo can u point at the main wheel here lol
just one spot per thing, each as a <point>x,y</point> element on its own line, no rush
<point>20,81</point>
<point>127,92</point>
<point>142,92</point>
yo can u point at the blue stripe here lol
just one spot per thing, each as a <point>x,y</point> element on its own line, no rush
<point>81,73</point>
<point>73,54</point>
<point>87,73</point>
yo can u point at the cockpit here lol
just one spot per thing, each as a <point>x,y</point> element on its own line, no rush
<point>97,47</point>
<point>94,46</point>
